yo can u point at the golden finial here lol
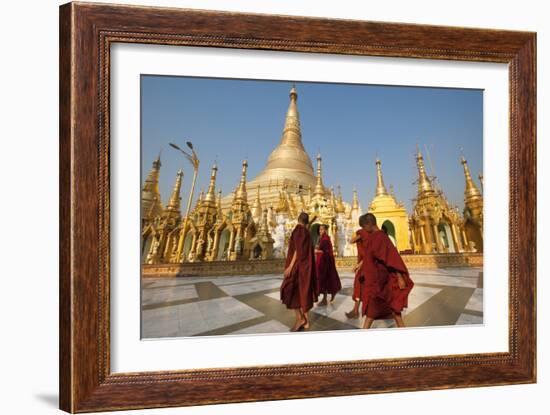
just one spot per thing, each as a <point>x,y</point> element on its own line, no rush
<point>210,194</point>
<point>241,190</point>
<point>424,184</point>
<point>355,201</point>
<point>257,206</point>
<point>380,187</point>
<point>293,93</point>
<point>174,202</point>
<point>319,188</point>
<point>471,190</point>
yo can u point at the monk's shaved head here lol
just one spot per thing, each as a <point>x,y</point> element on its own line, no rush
<point>367,219</point>
<point>303,218</point>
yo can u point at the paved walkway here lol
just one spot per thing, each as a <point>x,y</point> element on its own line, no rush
<point>205,306</point>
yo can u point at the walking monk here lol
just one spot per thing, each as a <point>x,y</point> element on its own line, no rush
<point>359,278</point>
<point>327,275</point>
<point>387,283</point>
<point>299,288</point>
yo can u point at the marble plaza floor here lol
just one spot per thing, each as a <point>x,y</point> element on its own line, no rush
<point>205,306</point>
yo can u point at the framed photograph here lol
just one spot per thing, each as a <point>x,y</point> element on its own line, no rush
<point>260,207</point>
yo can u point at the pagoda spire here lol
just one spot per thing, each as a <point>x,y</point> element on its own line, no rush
<point>241,189</point>
<point>355,201</point>
<point>219,205</point>
<point>211,193</point>
<point>174,202</point>
<point>470,191</point>
<point>257,205</point>
<point>292,133</point>
<point>319,187</point>
<point>150,194</point>
<point>289,159</point>
<point>340,202</point>
<point>424,184</point>
<point>380,187</point>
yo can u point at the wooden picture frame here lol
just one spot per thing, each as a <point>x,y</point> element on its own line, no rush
<point>86,33</point>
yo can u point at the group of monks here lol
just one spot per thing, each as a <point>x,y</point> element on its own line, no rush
<point>382,283</point>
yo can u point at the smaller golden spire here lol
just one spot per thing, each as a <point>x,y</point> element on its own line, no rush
<point>241,190</point>
<point>380,187</point>
<point>211,193</point>
<point>424,184</point>
<point>219,204</point>
<point>257,205</point>
<point>319,188</point>
<point>332,200</point>
<point>471,191</point>
<point>340,208</point>
<point>174,202</point>
<point>201,198</point>
<point>355,201</point>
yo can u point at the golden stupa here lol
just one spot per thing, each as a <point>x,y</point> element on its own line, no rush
<point>288,166</point>
<point>391,215</point>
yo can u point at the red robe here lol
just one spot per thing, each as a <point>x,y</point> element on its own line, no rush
<point>299,289</point>
<point>381,295</point>
<point>359,278</point>
<point>327,275</point>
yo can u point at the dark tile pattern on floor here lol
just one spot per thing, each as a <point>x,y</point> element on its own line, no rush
<point>440,297</point>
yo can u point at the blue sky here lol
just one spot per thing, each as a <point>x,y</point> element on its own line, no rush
<point>229,120</point>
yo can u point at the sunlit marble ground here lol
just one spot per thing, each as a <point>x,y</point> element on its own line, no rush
<point>201,306</point>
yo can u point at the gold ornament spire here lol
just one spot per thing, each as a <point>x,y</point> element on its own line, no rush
<point>219,204</point>
<point>200,199</point>
<point>332,200</point>
<point>257,206</point>
<point>319,188</point>
<point>174,202</point>
<point>292,133</point>
<point>470,191</point>
<point>211,193</point>
<point>380,187</point>
<point>150,195</point>
<point>241,190</point>
<point>340,208</point>
<point>355,201</point>
<point>424,184</point>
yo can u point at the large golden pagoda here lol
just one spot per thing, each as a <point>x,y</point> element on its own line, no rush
<point>288,166</point>
<point>391,215</point>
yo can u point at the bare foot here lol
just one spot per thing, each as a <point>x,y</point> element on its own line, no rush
<point>332,297</point>
<point>322,303</point>
<point>298,325</point>
<point>352,314</point>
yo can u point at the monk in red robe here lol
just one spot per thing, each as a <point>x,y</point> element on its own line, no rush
<point>299,289</point>
<point>358,280</point>
<point>387,282</point>
<point>327,275</point>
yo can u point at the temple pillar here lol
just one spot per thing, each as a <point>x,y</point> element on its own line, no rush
<point>466,243</point>
<point>231,244</point>
<point>413,241</point>
<point>423,240</point>
<point>456,238</point>
<point>437,239</point>
<point>193,246</point>
<point>214,252</point>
